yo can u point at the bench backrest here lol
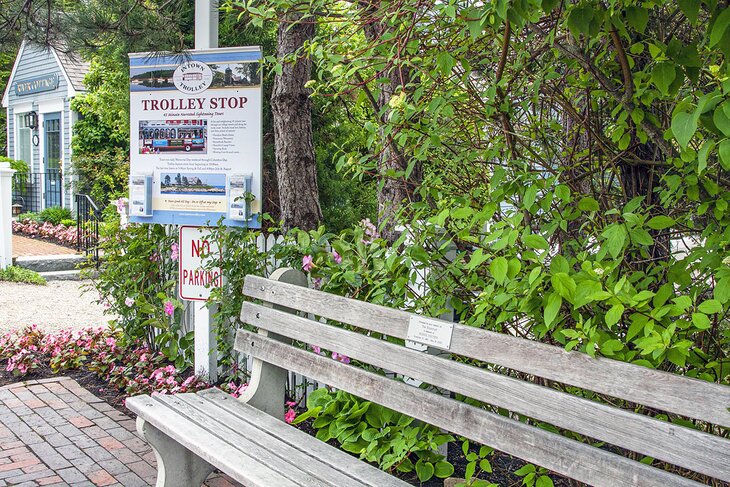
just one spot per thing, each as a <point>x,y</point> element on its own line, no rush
<point>701,452</point>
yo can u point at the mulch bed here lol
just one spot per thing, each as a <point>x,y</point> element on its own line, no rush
<point>503,465</point>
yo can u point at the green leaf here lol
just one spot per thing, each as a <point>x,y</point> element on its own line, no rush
<point>615,236</point>
<point>544,481</point>
<point>424,470</point>
<point>691,9</point>
<point>614,314</point>
<point>684,126</point>
<point>722,122</point>
<point>535,241</point>
<point>701,321</point>
<point>588,204</point>
<point>663,75</point>
<point>554,301</point>
<point>579,20</point>
<point>498,268</point>
<point>719,27</point>
<point>564,285</point>
<point>724,152</point>
<point>637,18</point>
<point>549,5</point>
<point>722,290</point>
<point>530,195</point>
<point>443,469</point>
<point>660,222</point>
<point>710,307</point>
<point>446,63</point>
<point>702,155</point>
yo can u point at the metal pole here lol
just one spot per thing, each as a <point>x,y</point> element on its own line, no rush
<point>206,24</point>
<point>206,346</point>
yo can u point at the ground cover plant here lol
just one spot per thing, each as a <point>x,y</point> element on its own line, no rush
<point>19,274</point>
<point>60,233</point>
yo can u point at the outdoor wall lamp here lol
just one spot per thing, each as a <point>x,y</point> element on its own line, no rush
<point>31,120</point>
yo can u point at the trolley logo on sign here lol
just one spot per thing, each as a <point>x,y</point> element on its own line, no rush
<point>192,77</point>
<point>197,249</point>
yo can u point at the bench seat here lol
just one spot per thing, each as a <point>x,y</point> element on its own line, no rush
<point>251,446</point>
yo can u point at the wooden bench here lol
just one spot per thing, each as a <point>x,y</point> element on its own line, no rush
<point>194,433</point>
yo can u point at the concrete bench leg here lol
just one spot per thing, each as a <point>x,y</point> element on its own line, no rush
<point>176,465</point>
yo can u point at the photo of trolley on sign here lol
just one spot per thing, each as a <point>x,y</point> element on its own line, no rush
<point>157,136</point>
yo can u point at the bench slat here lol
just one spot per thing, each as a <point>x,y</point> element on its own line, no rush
<point>336,459</point>
<point>654,388</point>
<point>567,457</point>
<point>675,444</point>
<point>293,461</point>
<point>211,449</point>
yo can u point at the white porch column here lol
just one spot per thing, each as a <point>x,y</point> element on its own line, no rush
<point>6,203</point>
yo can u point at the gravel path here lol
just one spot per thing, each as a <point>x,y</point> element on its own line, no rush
<point>58,305</point>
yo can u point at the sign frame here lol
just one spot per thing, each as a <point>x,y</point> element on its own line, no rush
<point>213,135</point>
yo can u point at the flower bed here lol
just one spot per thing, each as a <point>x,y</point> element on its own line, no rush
<point>60,233</point>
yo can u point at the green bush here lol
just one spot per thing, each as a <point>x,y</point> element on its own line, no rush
<point>30,216</point>
<point>68,222</point>
<point>21,274</point>
<point>55,215</point>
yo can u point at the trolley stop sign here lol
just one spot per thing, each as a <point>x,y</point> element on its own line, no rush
<point>196,249</point>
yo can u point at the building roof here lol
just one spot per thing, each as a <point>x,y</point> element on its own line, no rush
<point>74,67</point>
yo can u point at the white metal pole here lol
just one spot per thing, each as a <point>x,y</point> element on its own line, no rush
<point>6,226</point>
<point>206,24</point>
<point>206,345</point>
<point>206,355</point>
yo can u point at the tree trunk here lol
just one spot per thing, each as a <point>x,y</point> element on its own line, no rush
<point>393,192</point>
<point>296,168</point>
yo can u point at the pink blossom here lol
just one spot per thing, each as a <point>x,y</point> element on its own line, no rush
<point>129,301</point>
<point>175,251</point>
<point>290,415</point>
<point>121,205</point>
<point>316,349</point>
<point>307,263</point>
<point>340,357</point>
<point>291,404</point>
<point>337,257</point>
<point>169,308</point>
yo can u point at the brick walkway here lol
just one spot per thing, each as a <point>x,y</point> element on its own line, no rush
<point>53,432</point>
<point>27,247</point>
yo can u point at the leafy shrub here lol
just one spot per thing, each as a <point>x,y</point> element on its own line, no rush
<point>102,175</point>
<point>56,214</point>
<point>69,222</point>
<point>21,274</point>
<point>35,217</point>
<point>20,167</point>
<point>58,233</point>
<point>392,440</point>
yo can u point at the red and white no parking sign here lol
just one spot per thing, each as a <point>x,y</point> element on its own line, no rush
<point>197,248</point>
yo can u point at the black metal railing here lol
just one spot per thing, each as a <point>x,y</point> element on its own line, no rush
<point>30,189</point>
<point>88,216</point>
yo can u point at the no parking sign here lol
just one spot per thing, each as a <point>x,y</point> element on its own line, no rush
<point>196,249</point>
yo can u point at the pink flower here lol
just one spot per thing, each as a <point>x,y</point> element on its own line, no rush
<point>341,357</point>
<point>307,263</point>
<point>175,251</point>
<point>129,301</point>
<point>291,404</point>
<point>121,205</point>
<point>316,349</point>
<point>169,308</point>
<point>290,415</point>
<point>337,257</point>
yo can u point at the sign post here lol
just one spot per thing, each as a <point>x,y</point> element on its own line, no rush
<point>196,279</point>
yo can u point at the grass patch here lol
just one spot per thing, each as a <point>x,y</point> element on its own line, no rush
<point>19,274</point>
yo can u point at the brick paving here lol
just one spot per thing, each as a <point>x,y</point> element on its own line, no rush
<point>53,432</point>
<point>29,247</point>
